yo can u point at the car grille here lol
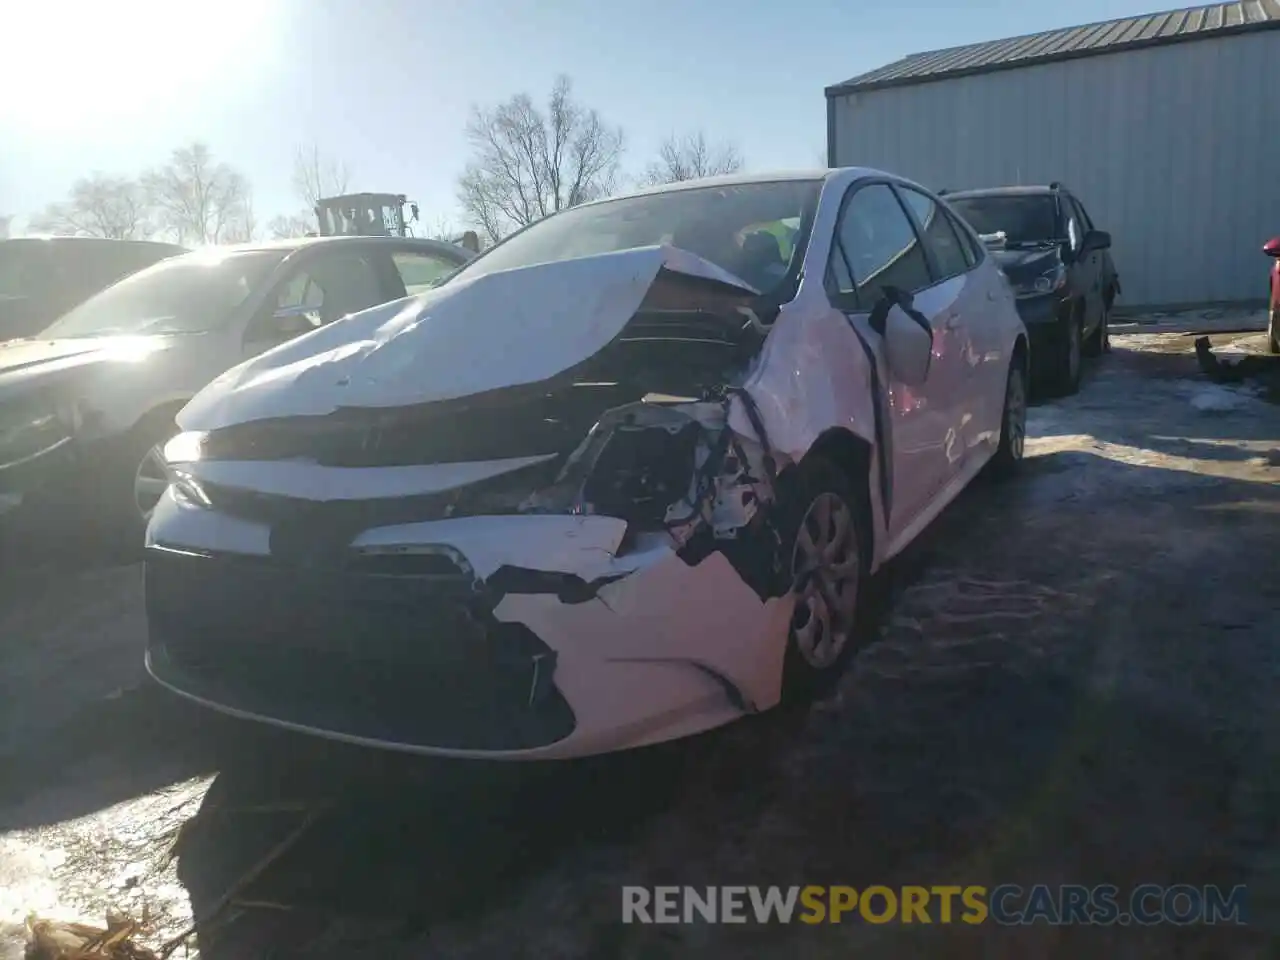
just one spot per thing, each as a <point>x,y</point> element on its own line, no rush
<point>398,649</point>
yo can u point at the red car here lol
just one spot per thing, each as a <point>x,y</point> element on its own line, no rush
<point>1272,249</point>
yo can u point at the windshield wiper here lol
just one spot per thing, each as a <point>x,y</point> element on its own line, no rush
<point>1030,244</point>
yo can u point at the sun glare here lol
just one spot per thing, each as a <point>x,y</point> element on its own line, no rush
<point>78,66</point>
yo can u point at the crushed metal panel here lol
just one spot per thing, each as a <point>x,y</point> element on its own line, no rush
<point>671,631</point>
<point>824,384</point>
<point>499,330</point>
<point>583,546</point>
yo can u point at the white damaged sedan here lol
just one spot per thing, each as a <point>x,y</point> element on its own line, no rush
<point>620,479</point>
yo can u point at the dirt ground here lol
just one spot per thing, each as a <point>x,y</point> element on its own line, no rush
<point>1074,679</point>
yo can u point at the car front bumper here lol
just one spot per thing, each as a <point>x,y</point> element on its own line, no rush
<point>1042,312</point>
<point>1043,317</point>
<point>453,642</point>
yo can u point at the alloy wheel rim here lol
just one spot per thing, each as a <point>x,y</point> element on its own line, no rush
<point>149,483</point>
<point>825,572</point>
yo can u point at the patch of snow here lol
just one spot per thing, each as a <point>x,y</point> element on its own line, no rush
<point>1218,399</point>
<point>1200,321</point>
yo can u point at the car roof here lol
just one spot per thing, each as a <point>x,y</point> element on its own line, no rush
<point>300,243</point>
<point>728,180</point>
<point>95,241</point>
<point>1021,191</point>
<point>818,174</point>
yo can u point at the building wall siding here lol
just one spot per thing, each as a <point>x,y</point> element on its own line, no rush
<point>1175,150</point>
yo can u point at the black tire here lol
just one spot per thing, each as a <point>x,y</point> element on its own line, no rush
<point>818,485</point>
<point>125,524</point>
<point>1067,357</point>
<point>1099,341</point>
<point>1273,331</point>
<point>1013,421</point>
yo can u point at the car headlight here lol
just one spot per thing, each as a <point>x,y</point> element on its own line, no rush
<point>1051,280</point>
<point>178,454</point>
<point>30,430</point>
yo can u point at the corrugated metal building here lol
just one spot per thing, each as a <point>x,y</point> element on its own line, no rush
<point>1167,126</point>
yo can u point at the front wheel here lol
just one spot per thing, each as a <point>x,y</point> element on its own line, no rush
<point>1013,422</point>
<point>1099,341</point>
<point>1064,377</point>
<point>825,541</point>
<point>137,481</point>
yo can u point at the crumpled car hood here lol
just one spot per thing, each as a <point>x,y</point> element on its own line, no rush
<point>503,329</point>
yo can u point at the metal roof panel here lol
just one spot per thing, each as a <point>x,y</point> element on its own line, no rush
<point>1091,39</point>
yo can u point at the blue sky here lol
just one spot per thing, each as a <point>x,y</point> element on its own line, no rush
<point>386,85</point>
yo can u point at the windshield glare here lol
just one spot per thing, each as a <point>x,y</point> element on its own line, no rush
<point>189,294</point>
<point>1031,218</point>
<point>751,230</point>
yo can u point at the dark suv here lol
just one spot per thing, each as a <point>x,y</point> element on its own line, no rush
<point>43,278</point>
<point>1059,266</point>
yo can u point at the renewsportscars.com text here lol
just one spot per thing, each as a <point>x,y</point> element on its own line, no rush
<point>1007,904</point>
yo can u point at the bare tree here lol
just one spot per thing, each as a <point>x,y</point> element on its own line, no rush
<point>441,228</point>
<point>529,163</point>
<point>690,157</point>
<point>198,200</point>
<point>99,206</point>
<point>316,175</point>
<point>244,228</point>
<point>294,225</point>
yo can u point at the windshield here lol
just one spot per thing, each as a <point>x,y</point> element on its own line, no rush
<point>1028,218</point>
<point>752,230</point>
<point>188,294</point>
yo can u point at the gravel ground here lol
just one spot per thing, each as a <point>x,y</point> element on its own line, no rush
<point>1074,679</point>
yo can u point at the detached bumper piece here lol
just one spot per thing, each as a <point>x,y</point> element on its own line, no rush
<point>401,652</point>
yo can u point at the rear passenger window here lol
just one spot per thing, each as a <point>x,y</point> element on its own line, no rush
<point>939,235</point>
<point>880,245</point>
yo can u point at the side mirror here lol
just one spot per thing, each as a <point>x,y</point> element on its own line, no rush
<point>1095,240</point>
<point>908,346</point>
<point>1272,247</point>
